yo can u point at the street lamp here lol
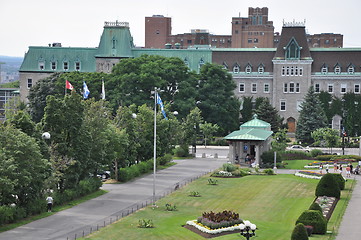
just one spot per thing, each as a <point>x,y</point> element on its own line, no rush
<point>45,136</point>
<point>247,229</point>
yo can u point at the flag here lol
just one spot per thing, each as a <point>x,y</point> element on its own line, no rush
<point>159,101</point>
<point>103,90</point>
<point>86,91</point>
<point>68,85</point>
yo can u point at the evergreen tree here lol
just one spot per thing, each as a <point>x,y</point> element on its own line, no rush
<point>311,117</point>
<point>269,114</point>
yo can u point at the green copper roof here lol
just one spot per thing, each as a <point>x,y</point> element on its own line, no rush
<point>256,123</point>
<point>192,57</point>
<point>249,134</point>
<point>47,55</point>
<point>116,41</point>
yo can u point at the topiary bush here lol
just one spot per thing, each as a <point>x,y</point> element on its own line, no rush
<point>228,167</point>
<point>299,232</point>
<point>315,206</point>
<point>340,180</point>
<point>328,186</point>
<point>268,157</point>
<point>316,152</point>
<point>315,219</point>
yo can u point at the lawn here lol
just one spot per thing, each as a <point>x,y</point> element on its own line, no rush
<point>297,164</point>
<point>273,203</point>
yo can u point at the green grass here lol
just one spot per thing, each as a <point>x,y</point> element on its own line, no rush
<point>297,164</point>
<point>54,210</point>
<point>273,203</point>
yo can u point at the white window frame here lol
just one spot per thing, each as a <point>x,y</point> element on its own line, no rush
<point>330,87</point>
<point>292,87</point>
<point>260,69</point>
<point>283,72</point>
<point>297,88</point>
<point>42,65</point>
<point>337,70</point>
<point>244,87</point>
<point>248,69</point>
<point>300,71</point>
<point>236,69</point>
<point>351,70</point>
<point>283,105</point>
<point>66,64</point>
<point>53,65</point>
<point>343,88</point>
<point>77,66</point>
<point>356,87</point>
<point>254,87</point>
<point>266,87</point>
<point>287,71</point>
<point>285,87</point>
<point>324,70</point>
<point>29,83</point>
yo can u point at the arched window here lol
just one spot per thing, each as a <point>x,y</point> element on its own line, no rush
<point>293,50</point>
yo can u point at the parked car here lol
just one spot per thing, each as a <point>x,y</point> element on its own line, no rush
<point>298,148</point>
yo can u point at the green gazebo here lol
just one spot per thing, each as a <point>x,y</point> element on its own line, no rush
<point>253,138</point>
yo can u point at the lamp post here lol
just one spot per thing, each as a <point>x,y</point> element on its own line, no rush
<point>247,229</point>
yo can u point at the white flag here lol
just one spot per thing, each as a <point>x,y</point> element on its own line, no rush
<point>103,90</point>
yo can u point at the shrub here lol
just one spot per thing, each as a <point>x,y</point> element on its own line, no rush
<point>143,167</point>
<point>315,206</point>
<point>145,223</point>
<point>220,219</point>
<point>135,172</point>
<point>240,172</point>
<point>170,207</point>
<point>269,171</point>
<point>212,181</point>
<point>315,219</point>
<point>194,194</point>
<point>268,157</point>
<point>228,167</point>
<point>125,174</point>
<point>328,186</point>
<point>182,151</point>
<point>340,180</point>
<point>316,152</point>
<point>309,230</point>
<point>35,206</point>
<point>299,232</point>
<point>165,159</point>
<point>295,155</point>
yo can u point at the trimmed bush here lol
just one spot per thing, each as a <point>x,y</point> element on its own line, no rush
<point>316,152</point>
<point>315,206</point>
<point>165,159</point>
<point>269,171</point>
<point>268,157</point>
<point>315,219</point>
<point>340,180</point>
<point>228,167</point>
<point>182,151</point>
<point>328,186</point>
<point>299,232</point>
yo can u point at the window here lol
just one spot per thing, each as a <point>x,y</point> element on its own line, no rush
<point>261,69</point>
<point>41,65</point>
<point>77,66</point>
<point>301,71</point>
<point>236,31</point>
<point>292,71</point>
<point>201,63</point>
<point>249,40</point>
<point>287,71</point>
<point>283,71</point>
<point>255,40</point>
<point>317,87</point>
<point>53,65</point>
<point>285,89</point>
<point>343,87</point>
<point>297,87</point>
<point>351,70</point>
<point>65,66</point>
<point>266,88</point>
<point>337,69</point>
<point>248,69</point>
<point>296,71</point>
<point>254,88</point>
<point>324,69</point>
<point>236,69</point>
<point>293,50</point>
<point>292,87</point>
<point>30,82</point>
<point>330,88</point>
<point>298,107</point>
<point>189,41</point>
<point>356,88</point>
<point>241,87</point>
<point>283,105</point>
<point>327,41</point>
<point>186,62</point>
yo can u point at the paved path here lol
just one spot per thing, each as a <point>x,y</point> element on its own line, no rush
<point>121,199</point>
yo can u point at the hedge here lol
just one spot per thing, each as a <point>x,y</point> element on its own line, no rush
<point>299,232</point>
<point>328,186</point>
<point>315,219</point>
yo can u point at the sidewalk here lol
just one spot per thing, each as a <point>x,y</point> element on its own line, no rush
<point>121,200</point>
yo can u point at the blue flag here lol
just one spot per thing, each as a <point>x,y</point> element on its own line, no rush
<point>86,91</point>
<point>159,101</point>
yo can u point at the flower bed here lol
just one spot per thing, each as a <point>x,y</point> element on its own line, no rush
<point>208,230</point>
<point>309,174</point>
<point>327,205</point>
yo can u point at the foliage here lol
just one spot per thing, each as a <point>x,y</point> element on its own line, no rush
<point>219,219</point>
<point>315,219</point>
<point>311,117</point>
<point>190,127</point>
<point>280,140</point>
<point>351,105</point>
<point>170,207</point>
<point>145,223</point>
<point>299,232</point>
<point>315,206</point>
<point>328,135</point>
<point>217,99</point>
<point>246,109</point>
<point>194,194</point>
<point>316,152</point>
<point>228,167</point>
<point>269,171</point>
<point>212,181</point>
<point>294,155</point>
<point>340,180</point>
<point>268,157</point>
<point>328,186</point>
<point>208,129</point>
<point>269,114</point>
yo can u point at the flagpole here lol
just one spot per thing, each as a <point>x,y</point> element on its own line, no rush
<point>155,143</point>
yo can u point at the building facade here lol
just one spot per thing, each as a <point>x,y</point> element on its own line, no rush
<point>254,31</point>
<point>283,74</point>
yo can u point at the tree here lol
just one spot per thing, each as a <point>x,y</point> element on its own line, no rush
<point>351,114</point>
<point>22,168</point>
<point>311,117</point>
<point>299,232</point>
<point>190,129</point>
<point>279,142</point>
<point>217,100</point>
<point>246,109</point>
<point>208,129</point>
<point>328,135</point>
<point>269,114</point>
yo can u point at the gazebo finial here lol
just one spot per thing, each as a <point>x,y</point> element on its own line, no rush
<point>255,116</point>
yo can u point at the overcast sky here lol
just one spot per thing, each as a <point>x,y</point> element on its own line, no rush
<point>79,23</point>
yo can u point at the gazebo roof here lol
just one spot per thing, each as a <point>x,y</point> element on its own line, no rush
<point>254,129</point>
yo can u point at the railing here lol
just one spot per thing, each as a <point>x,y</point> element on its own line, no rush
<point>116,24</point>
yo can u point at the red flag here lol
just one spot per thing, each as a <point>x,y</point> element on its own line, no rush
<point>68,85</point>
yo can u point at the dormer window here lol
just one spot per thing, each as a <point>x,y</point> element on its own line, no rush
<point>248,69</point>
<point>261,69</point>
<point>225,66</point>
<point>65,66</point>
<point>324,69</point>
<point>337,69</point>
<point>293,50</point>
<point>351,69</point>
<point>201,63</point>
<point>236,68</point>
<point>77,66</point>
<point>53,65</point>
<point>41,65</point>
